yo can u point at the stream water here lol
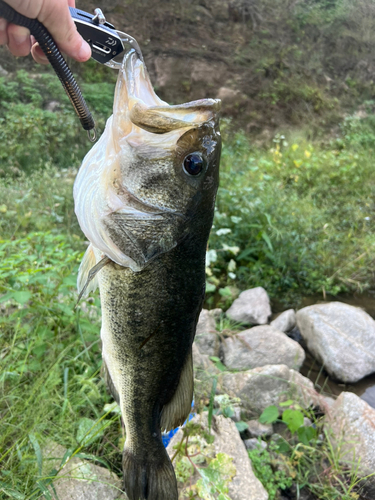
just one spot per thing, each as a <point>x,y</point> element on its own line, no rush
<point>365,388</point>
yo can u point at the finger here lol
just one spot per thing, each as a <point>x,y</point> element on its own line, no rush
<point>60,24</point>
<point>71,3</point>
<point>19,42</point>
<point>3,31</point>
<point>38,54</point>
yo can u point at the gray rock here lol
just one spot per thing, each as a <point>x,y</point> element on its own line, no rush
<point>244,486</point>
<point>80,479</point>
<point>260,346</point>
<point>251,307</point>
<point>3,72</point>
<point>269,385</point>
<point>351,423</point>
<point>206,337</point>
<point>341,337</point>
<point>256,429</point>
<point>254,443</point>
<point>286,321</point>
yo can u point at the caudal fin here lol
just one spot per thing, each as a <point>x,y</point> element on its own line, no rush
<point>146,480</point>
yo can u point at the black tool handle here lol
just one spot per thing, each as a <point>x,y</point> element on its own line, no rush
<point>49,47</point>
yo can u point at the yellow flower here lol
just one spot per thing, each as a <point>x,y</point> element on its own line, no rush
<point>307,154</point>
<point>295,147</point>
<point>298,163</point>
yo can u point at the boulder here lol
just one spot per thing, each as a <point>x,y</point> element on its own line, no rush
<point>341,337</point>
<point>260,346</point>
<point>256,429</point>
<point>244,485</point>
<point>251,307</point>
<point>351,425</point>
<point>80,479</point>
<point>206,337</point>
<point>286,321</point>
<point>269,385</point>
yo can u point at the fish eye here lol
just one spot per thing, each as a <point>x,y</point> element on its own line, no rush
<point>193,164</point>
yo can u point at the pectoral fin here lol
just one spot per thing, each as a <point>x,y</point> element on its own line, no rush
<point>177,410</point>
<point>87,281</point>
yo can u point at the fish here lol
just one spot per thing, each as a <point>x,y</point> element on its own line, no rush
<point>144,198</point>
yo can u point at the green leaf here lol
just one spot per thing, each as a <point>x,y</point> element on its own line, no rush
<point>267,240</point>
<point>306,434</point>
<point>21,297</point>
<point>241,426</point>
<point>287,403</point>
<point>228,411</point>
<point>210,287</point>
<point>293,419</point>
<point>44,489</point>
<point>89,430</point>
<point>66,457</point>
<point>38,452</point>
<point>269,415</point>
<point>218,363</point>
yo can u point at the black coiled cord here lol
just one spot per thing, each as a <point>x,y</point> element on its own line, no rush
<point>50,49</point>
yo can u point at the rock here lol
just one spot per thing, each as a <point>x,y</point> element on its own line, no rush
<point>256,429</point>
<point>244,486</point>
<point>252,307</point>
<point>269,385</point>
<point>260,346</point>
<point>341,337</point>
<point>206,337</point>
<point>202,362</point>
<point>80,479</point>
<point>3,72</point>
<point>351,423</point>
<point>286,321</point>
<point>254,443</point>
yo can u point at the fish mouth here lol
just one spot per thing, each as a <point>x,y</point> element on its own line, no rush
<point>140,115</point>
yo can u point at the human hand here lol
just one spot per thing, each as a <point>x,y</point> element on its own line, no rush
<point>55,16</point>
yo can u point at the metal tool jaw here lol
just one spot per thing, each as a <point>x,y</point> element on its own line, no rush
<point>105,41</point>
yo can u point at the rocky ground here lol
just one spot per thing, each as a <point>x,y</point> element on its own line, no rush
<point>255,368</point>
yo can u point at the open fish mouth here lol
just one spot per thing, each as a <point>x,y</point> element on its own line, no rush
<point>137,108</point>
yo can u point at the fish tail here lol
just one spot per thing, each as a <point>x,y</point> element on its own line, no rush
<point>149,480</point>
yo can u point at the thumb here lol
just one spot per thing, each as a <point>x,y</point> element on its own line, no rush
<point>55,16</point>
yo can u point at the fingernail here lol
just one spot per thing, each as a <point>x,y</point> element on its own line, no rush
<point>21,35</point>
<point>84,52</point>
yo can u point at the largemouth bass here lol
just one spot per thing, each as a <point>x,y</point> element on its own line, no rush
<point>144,197</point>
